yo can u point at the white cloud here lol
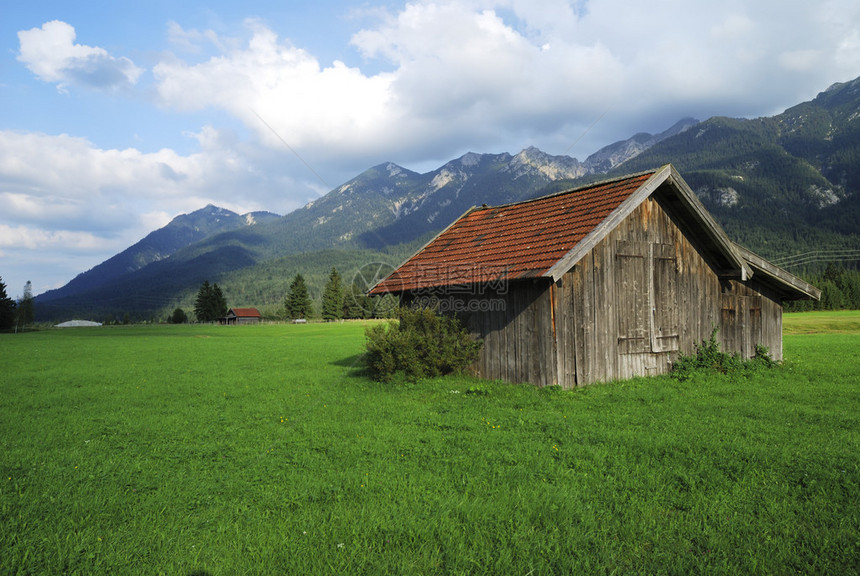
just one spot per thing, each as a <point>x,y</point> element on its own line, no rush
<point>479,74</point>
<point>18,237</point>
<point>50,52</point>
<point>65,183</point>
<point>192,41</point>
<point>68,205</point>
<point>448,76</point>
<point>306,104</point>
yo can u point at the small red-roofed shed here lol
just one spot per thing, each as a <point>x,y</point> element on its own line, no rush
<point>242,316</point>
<point>609,281</point>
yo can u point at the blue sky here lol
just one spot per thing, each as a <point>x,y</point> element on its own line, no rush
<point>117,116</point>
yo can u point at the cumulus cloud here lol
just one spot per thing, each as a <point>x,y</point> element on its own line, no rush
<point>62,191</point>
<point>428,80</point>
<point>286,87</point>
<point>31,238</point>
<point>67,202</point>
<point>500,74</point>
<point>50,52</point>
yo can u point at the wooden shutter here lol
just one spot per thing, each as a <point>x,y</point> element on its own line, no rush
<point>632,289</point>
<point>664,305</point>
<point>730,320</point>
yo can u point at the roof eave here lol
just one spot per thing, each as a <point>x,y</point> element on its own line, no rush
<point>792,287</point>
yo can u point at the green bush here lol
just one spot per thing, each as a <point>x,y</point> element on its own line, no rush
<point>420,344</point>
<point>179,316</point>
<point>709,358</point>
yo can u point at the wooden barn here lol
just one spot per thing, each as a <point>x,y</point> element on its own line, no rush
<point>604,282</point>
<point>242,316</point>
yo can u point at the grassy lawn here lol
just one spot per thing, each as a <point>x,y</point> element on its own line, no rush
<point>824,322</point>
<point>215,451</point>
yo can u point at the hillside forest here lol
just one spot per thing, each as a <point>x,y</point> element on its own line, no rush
<point>786,187</point>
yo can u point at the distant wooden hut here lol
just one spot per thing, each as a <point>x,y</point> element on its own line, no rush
<point>242,316</point>
<point>609,281</point>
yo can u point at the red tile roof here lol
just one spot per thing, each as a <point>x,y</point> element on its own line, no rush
<point>515,241</point>
<point>245,312</point>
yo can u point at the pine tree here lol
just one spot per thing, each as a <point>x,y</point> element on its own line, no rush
<point>219,302</point>
<point>210,303</point>
<point>298,303</point>
<point>7,308</point>
<point>26,311</point>
<point>356,304</point>
<point>201,303</point>
<point>332,300</point>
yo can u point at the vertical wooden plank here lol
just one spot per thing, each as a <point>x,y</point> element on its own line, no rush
<point>602,365</point>
<point>534,340</point>
<point>609,307</point>
<point>575,280</point>
<point>772,327</point>
<point>584,303</point>
<point>543,318</point>
<point>755,323</point>
<point>557,297</point>
<point>547,317</point>
<point>480,327</point>
<point>776,351</point>
<point>569,332</point>
<point>512,336</point>
<point>493,325</point>
<point>652,304</point>
<point>560,336</point>
<point>488,324</point>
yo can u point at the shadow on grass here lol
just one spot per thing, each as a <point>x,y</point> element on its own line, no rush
<point>355,363</point>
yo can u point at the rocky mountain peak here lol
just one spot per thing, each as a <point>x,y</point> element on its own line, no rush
<point>619,152</point>
<point>470,159</point>
<point>550,167</point>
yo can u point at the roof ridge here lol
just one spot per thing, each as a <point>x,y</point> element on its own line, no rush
<point>597,184</point>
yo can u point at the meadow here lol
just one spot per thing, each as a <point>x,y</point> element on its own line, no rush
<point>209,450</point>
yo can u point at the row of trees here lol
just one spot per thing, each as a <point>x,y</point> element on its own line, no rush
<point>840,290</point>
<point>339,302</point>
<point>15,314</point>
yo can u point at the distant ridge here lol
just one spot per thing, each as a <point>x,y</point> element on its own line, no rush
<point>182,231</point>
<point>780,185</point>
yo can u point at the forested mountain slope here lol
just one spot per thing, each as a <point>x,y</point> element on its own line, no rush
<point>780,185</point>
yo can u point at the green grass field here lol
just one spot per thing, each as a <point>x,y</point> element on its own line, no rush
<point>201,450</point>
<point>824,322</point>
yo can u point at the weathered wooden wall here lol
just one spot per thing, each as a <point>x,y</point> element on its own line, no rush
<point>643,295</point>
<point>515,323</point>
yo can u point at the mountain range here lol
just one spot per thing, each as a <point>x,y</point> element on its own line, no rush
<point>779,185</point>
